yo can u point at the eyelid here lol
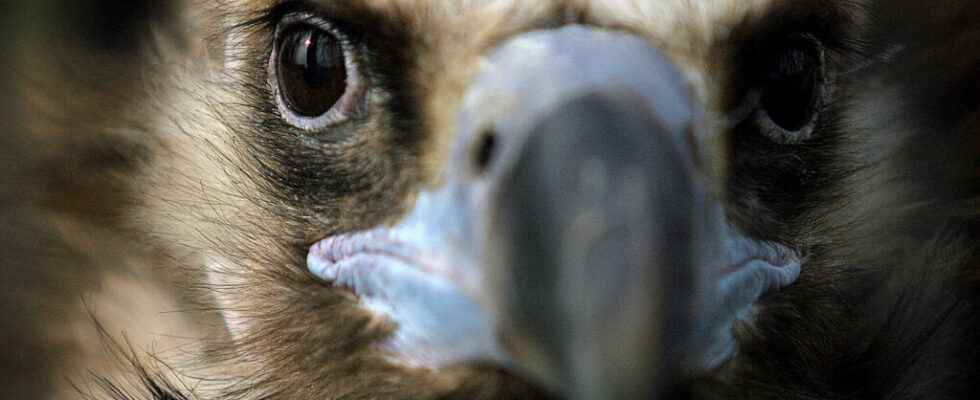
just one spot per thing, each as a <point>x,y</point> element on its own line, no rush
<point>294,19</point>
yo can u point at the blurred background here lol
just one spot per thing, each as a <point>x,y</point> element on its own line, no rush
<point>52,167</point>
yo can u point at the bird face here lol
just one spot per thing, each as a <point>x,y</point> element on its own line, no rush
<point>440,191</point>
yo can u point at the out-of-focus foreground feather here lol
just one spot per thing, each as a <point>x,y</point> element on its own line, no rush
<point>65,70</point>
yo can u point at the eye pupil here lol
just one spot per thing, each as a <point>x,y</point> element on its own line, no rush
<point>312,71</point>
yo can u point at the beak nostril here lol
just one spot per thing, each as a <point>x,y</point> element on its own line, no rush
<point>485,151</point>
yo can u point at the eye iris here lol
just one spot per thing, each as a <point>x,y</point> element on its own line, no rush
<point>312,71</point>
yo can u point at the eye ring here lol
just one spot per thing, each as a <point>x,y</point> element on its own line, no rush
<point>349,105</point>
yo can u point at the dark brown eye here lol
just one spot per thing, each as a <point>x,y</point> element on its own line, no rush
<point>312,71</point>
<point>789,90</point>
<point>315,75</point>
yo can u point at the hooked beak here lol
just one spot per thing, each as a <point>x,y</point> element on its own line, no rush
<point>576,238</point>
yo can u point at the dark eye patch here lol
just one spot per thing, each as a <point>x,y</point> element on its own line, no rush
<point>785,121</point>
<point>335,84</point>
